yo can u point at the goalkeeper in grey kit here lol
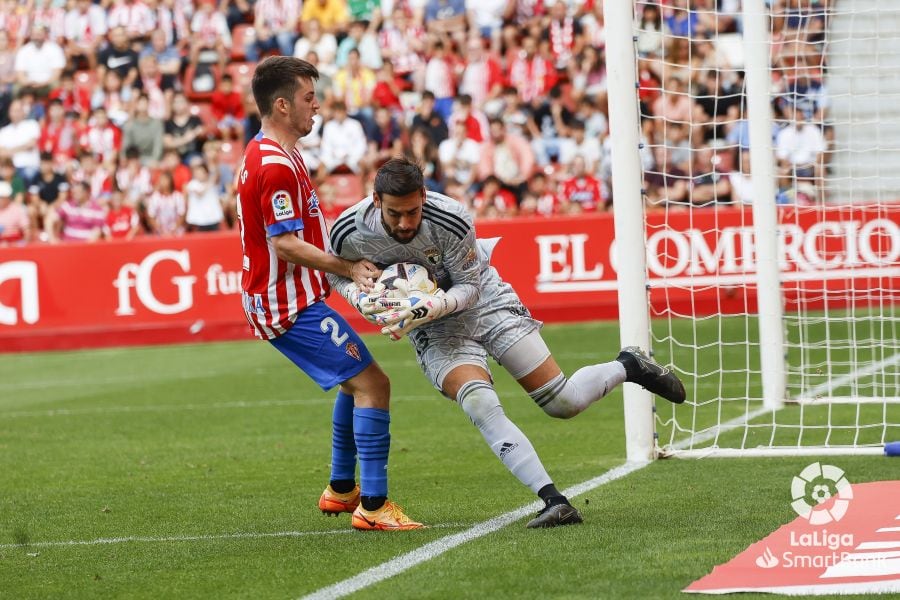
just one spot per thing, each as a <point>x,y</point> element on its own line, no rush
<point>473,314</point>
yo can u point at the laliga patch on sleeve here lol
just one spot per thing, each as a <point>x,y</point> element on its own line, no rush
<point>282,206</point>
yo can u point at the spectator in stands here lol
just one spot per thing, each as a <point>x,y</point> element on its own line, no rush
<point>508,157</point>
<point>19,141</point>
<point>275,22</point>
<point>51,185</point>
<point>168,60</point>
<point>228,109</point>
<point>75,98</point>
<point>799,148</point>
<point>740,178</point>
<point>144,133</point>
<point>665,182</point>
<point>440,79</point>
<point>204,204</point>
<point>361,37</point>
<point>388,89</point>
<point>122,221</point>
<point>9,175</point>
<point>709,186</point>
<point>353,85</point>
<point>587,72</point>
<point>402,44</point>
<point>430,119</point>
<point>423,152</point>
<point>540,198</point>
<point>593,27</point>
<point>446,19</point>
<point>102,138</point>
<point>565,34</point>
<point>209,36</point>
<point>581,191</point>
<point>237,12</point>
<point>118,56</point>
<point>7,73</point>
<point>113,98</point>
<point>549,128</point>
<point>652,32</point>
<point>494,201</point>
<point>85,31</point>
<point>530,73</point>
<point>133,178</point>
<point>486,20</point>
<point>39,63</point>
<point>77,219</point>
<point>166,208</point>
<point>331,14</point>
<point>475,121</point>
<point>482,76</point>
<point>15,225</point>
<point>385,139</point>
<point>95,175</point>
<point>343,142</point>
<point>183,131</point>
<point>134,17</point>
<point>59,135</point>
<point>459,156</point>
<point>324,44</point>
<point>588,148</point>
<point>180,172</point>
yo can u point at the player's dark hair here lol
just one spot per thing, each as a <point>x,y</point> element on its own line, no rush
<point>276,77</point>
<point>399,177</point>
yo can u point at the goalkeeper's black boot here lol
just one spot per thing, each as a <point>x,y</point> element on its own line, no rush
<point>554,515</point>
<point>640,369</point>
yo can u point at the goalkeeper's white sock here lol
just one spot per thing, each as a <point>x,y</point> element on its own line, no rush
<point>564,398</point>
<point>507,441</point>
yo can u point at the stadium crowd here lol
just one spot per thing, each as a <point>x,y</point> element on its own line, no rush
<point>128,117</point>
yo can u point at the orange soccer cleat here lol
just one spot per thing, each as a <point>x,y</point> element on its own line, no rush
<point>333,503</point>
<point>388,517</point>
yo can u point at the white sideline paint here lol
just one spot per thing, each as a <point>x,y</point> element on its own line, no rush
<point>436,548</point>
<point>200,538</point>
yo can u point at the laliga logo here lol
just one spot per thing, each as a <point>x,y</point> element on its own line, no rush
<point>26,273</point>
<point>140,277</point>
<point>819,483</point>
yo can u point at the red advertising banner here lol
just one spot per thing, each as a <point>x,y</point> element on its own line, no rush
<point>163,290</point>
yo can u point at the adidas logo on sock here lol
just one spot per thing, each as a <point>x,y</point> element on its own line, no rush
<point>506,448</point>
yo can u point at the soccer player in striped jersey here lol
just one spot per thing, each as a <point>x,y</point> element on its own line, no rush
<point>475,313</point>
<point>285,260</point>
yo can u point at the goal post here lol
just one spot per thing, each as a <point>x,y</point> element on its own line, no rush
<point>755,149</point>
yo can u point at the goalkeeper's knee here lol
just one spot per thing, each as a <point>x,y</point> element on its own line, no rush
<point>480,402</point>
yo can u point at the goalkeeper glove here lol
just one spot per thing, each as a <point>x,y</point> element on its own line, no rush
<point>366,302</point>
<point>407,309</point>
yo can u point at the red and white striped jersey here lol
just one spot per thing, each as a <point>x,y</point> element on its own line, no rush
<point>275,197</point>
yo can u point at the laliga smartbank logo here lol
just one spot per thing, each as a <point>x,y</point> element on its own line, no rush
<point>811,492</point>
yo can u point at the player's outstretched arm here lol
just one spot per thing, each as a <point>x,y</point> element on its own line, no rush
<point>292,249</point>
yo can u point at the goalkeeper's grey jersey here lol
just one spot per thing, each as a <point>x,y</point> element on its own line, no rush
<point>445,244</point>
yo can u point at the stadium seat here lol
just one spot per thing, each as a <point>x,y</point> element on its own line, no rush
<point>242,35</point>
<point>193,90</point>
<point>347,188</point>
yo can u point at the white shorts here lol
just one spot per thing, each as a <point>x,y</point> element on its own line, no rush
<point>468,337</point>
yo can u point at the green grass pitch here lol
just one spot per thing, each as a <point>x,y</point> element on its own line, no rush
<point>200,466</point>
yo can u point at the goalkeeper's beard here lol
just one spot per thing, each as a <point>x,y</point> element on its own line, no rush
<point>396,234</point>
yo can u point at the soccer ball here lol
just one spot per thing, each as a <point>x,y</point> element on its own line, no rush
<point>418,277</point>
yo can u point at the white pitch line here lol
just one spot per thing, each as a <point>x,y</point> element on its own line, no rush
<point>199,538</point>
<point>838,382</point>
<point>433,549</point>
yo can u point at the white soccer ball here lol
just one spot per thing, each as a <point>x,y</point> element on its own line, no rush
<point>417,276</point>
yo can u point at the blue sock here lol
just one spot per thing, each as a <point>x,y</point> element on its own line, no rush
<point>343,447</point>
<point>372,431</point>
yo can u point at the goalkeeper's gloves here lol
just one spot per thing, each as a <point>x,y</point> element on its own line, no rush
<point>366,302</point>
<point>406,309</point>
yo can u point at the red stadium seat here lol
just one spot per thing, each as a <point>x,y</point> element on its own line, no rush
<point>231,153</point>
<point>242,35</point>
<point>347,188</point>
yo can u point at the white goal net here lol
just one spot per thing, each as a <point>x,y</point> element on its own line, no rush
<point>832,136</point>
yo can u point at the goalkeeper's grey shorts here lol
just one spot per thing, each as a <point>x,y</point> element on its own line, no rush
<point>468,337</point>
